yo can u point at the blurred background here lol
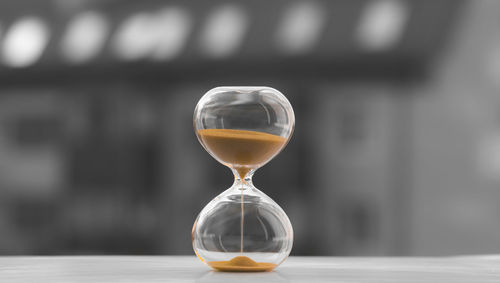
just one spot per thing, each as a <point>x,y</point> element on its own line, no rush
<point>396,149</point>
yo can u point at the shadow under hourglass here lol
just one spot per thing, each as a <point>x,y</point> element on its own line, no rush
<point>216,277</point>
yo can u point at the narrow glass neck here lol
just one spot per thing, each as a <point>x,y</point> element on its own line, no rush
<point>246,180</point>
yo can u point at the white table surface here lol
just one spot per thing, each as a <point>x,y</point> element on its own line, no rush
<point>475,269</point>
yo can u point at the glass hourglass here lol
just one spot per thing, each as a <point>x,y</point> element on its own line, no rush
<point>243,128</point>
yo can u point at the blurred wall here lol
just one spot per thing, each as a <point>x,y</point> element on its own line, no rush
<point>396,149</point>
<point>456,142</point>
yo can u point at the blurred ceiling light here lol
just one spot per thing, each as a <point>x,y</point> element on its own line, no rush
<point>172,27</point>
<point>224,31</point>
<point>25,42</point>
<point>160,35</point>
<point>133,38</point>
<point>84,37</point>
<point>382,24</point>
<point>301,27</point>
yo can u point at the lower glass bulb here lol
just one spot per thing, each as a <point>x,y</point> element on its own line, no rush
<point>242,229</point>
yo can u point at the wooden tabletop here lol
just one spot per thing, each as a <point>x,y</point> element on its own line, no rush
<point>475,269</point>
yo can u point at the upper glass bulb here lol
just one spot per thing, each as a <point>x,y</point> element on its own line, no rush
<point>243,128</point>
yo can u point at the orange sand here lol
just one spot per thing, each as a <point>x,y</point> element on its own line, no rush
<point>244,150</point>
<point>241,264</point>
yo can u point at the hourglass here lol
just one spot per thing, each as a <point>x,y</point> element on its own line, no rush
<point>243,128</point>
